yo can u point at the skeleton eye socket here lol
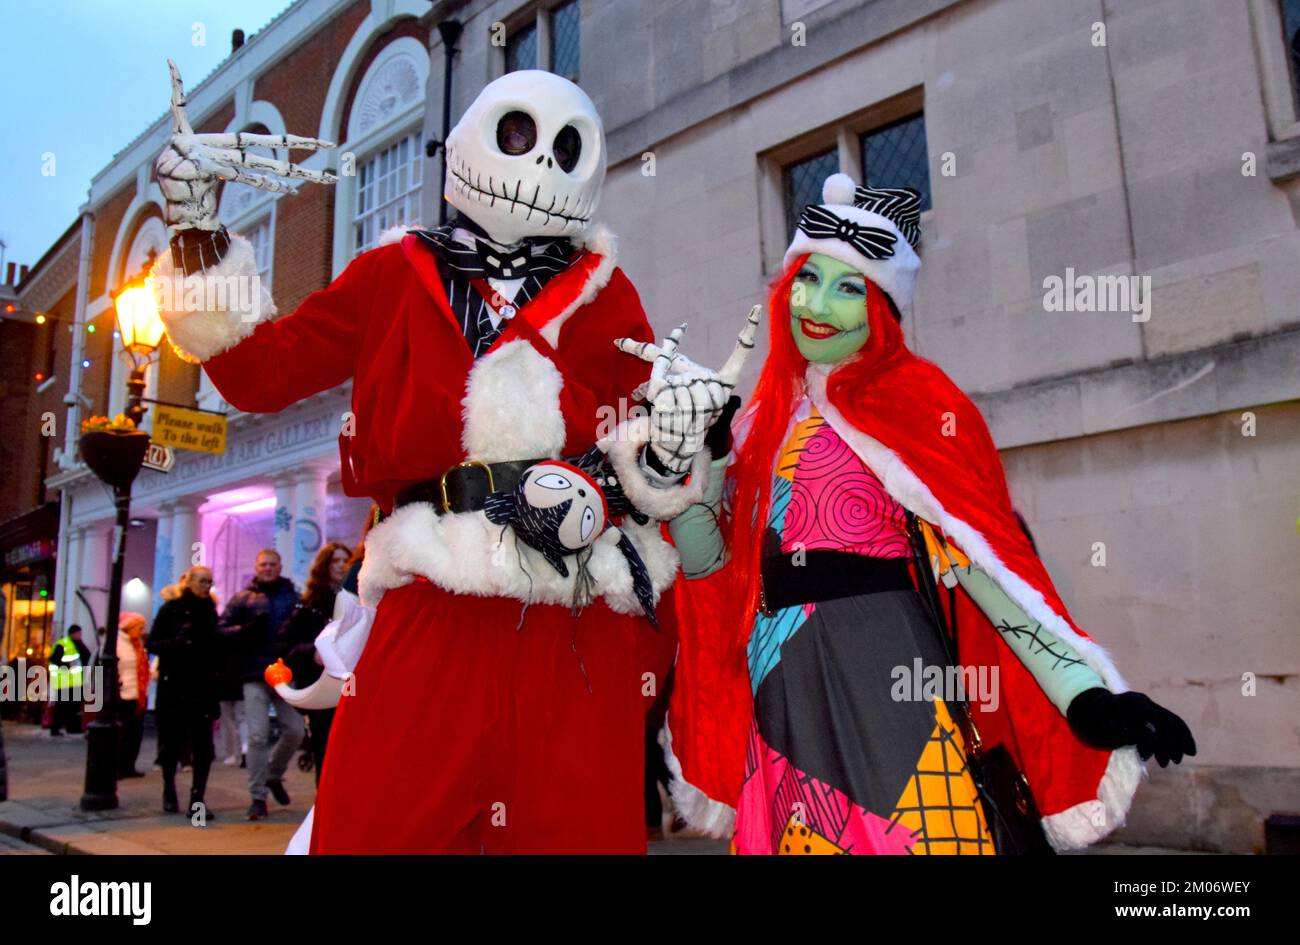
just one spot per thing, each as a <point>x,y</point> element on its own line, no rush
<point>516,133</point>
<point>567,148</point>
<point>553,481</point>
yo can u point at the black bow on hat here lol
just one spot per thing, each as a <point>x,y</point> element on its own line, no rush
<point>872,242</point>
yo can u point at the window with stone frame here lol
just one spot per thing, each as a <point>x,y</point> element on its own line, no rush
<point>548,37</point>
<point>259,234</point>
<point>521,49</point>
<point>388,190</point>
<point>1291,37</point>
<point>895,156</point>
<point>803,181</point>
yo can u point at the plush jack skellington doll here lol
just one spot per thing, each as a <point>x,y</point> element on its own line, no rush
<point>560,509</point>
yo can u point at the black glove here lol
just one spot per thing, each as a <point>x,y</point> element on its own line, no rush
<point>1102,719</point>
<point>718,440</point>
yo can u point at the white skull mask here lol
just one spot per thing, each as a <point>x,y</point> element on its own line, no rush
<point>527,158</point>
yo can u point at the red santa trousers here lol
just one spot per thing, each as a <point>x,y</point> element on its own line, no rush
<point>467,733</point>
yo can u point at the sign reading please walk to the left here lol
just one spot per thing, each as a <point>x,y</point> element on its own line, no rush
<point>189,429</point>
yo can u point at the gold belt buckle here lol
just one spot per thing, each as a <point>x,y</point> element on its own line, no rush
<point>442,481</point>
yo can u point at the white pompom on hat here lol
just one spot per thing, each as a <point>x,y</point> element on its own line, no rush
<point>895,274</point>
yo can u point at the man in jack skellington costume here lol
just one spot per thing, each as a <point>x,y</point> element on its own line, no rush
<point>475,351</point>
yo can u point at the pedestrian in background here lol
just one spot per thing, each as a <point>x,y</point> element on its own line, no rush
<point>184,637</point>
<point>68,660</point>
<point>298,637</point>
<point>132,691</point>
<point>253,619</point>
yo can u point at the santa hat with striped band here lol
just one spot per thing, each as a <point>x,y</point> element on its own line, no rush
<point>876,230</point>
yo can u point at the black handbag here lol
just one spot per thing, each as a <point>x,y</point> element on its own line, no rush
<point>1013,818</point>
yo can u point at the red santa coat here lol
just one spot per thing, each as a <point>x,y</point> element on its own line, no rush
<point>452,587</point>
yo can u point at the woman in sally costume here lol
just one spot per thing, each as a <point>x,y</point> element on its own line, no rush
<point>911,680</point>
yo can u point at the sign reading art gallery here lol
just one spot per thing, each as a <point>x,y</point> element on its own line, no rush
<point>189,429</point>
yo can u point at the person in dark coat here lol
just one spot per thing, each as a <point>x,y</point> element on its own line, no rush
<point>298,637</point>
<point>184,637</point>
<point>253,619</point>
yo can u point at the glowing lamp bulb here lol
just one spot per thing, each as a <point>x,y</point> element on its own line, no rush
<point>138,319</point>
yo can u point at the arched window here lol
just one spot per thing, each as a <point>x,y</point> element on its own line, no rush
<point>383,137</point>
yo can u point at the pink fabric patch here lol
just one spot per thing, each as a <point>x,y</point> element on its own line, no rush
<point>837,503</point>
<point>775,789</point>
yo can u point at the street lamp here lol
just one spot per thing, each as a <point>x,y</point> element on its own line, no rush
<point>115,456</point>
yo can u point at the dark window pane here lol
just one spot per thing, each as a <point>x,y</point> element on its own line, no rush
<point>564,41</point>
<point>521,49</point>
<point>895,156</point>
<point>803,183</point>
<point>1291,33</point>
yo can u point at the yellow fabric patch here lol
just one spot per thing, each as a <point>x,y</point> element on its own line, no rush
<point>801,840</point>
<point>939,804</point>
<point>803,431</point>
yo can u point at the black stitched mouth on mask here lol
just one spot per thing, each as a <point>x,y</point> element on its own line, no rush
<point>472,182</point>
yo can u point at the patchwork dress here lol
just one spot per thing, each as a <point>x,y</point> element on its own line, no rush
<point>835,763</point>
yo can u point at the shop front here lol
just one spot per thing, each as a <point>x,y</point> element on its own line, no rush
<point>276,485</point>
<point>27,579</point>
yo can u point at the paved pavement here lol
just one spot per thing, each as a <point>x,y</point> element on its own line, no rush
<point>46,776</point>
<point>45,782</point>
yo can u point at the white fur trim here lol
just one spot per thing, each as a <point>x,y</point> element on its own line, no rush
<point>197,331</point>
<point>695,807</point>
<point>395,234</point>
<point>512,406</point>
<point>466,554</point>
<point>1093,819</point>
<point>1086,823</point>
<point>623,447</point>
<point>599,240</point>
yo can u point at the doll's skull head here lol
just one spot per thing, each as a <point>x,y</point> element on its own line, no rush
<point>572,493</point>
<point>527,158</point>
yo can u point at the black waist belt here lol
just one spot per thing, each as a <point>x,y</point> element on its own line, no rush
<point>822,575</point>
<point>463,488</point>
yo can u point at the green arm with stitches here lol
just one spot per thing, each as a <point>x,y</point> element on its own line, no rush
<point>1057,667</point>
<point>696,532</point>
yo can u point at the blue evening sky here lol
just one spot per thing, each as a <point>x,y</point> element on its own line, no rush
<point>83,78</point>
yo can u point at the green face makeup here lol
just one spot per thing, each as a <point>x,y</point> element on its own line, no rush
<point>828,309</point>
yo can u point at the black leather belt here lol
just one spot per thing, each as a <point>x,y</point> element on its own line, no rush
<point>463,488</point>
<point>822,574</point>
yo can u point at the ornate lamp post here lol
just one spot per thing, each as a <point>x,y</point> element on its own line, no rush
<point>115,456</point>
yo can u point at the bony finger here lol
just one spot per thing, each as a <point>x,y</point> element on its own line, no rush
<point>180,123</point>
<point>730,372</point>
<point>673,340</point>
<point>645,350</point>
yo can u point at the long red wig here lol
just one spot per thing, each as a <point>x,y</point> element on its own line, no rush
<point>763,427</point>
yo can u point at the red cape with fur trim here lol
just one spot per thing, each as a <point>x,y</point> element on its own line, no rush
<point>931,449</point>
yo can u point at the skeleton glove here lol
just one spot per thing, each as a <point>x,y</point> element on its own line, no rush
<point>191,166</point>
<point>685,398</point>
